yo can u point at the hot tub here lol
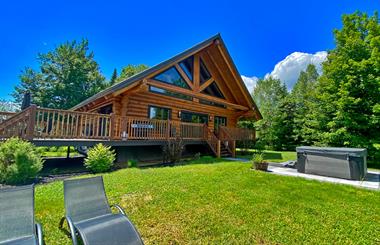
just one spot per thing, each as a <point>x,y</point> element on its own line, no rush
<point>345,163</point>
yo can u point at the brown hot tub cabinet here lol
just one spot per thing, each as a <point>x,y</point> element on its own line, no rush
<point>345,163</point>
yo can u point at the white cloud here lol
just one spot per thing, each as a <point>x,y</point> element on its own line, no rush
<point>250,82</point>
<point>289,68</point>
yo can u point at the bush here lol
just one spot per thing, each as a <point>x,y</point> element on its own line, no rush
<point>172,150</point>
<point>100,158</point>
<point>20,161</point>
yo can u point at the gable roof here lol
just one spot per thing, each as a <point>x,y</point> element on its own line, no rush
<point>139,76</point>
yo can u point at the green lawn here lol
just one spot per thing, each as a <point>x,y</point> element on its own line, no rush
<point>270,156</point>
<point>227,203</point>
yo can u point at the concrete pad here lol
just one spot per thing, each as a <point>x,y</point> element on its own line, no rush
<point>371,181</point>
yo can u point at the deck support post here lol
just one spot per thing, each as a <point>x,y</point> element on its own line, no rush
<point>31,122</point>
<point>68,152</point>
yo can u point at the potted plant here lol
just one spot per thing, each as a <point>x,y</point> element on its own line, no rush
<point>258,162</point>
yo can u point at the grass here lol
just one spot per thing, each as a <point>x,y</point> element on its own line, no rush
<point>57,151</point>
<point>270,156</point>
<point>227,203</point>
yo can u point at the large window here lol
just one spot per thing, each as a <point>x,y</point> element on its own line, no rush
<point>187,66</point>
<point>162,91</point>
<point>160,113</point>
<point>213,90</point>
<point>193,117</point>
<point>172,76</point>
<point>203,72</point>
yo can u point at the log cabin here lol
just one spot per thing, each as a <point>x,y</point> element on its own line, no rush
<point>197,95</point>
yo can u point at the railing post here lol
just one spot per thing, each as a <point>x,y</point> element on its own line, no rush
<point>218,149</point>
<point>168,129</point>
<point>112,126</point>
<point>233,146</point>
<point>31,122</point>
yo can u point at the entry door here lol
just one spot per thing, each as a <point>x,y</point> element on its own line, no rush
<point>219,121</point>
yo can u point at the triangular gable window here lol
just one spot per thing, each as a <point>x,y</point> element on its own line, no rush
<point>172,76</point>
<point>213,90</point>
<point>187,66</point>
<point>203,72</point>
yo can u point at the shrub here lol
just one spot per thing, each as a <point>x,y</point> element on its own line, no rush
<point>172,150</point>
<point>132,163</point>
<point>100,158</point>
<point>20,161</point>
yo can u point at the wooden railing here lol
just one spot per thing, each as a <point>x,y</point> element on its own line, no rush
<point>212,140</point>
<point>5,115</point>
<point>239,133</point>
<point>51,123</point>
<point>18,125</point>
<point>150,129</point>
<point>227,140</point>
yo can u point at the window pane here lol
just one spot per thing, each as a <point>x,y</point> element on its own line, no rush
<point>169,93</point>
<point>213,90</point>
<point>194,117</point>
<point>187,66</point>
<point>203,72</point>
<point>159,113</point>
<point>172,76</point>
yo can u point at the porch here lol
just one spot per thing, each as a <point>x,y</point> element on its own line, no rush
<point>44,126</point>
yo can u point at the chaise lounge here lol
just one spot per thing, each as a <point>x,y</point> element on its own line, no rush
<point>17,224</point>
<point>89,215</point>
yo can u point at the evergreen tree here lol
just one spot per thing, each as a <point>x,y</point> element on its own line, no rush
<point>302,97</point>
<point>113,77</point>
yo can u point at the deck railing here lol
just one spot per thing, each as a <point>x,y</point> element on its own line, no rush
<point>43,123</point>
<point>238,133</point>
<point>5,115</point>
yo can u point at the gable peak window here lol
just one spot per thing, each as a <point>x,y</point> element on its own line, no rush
<point>187,66</point>
<point>203,72</point>
<point>172,76</point>
<point>213,90</point>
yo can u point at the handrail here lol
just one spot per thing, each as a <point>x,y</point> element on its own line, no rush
<point>5,115</point>
<point>212,140</point>
<point>227,140</point>
<point>18,125</point>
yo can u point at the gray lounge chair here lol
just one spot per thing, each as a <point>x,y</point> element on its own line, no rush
<point>17,224</point>
<point>89,214</point>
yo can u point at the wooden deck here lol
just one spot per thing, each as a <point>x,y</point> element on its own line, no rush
<point>45,126</point>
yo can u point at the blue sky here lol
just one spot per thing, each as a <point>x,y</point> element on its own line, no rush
<point>258,34</point>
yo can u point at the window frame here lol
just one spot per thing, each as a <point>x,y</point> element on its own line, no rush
<point>159,107</point>
<point>190,98</point>
<point>172,67</point>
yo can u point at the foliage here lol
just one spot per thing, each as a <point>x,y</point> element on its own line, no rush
<point>268,95</point>
<point>68,75</point>
<point>20,161</point>
<point>131,70</point>
<point>100,158</point>
<point>8,106</point>
<point>113,77</point>
<point>347,108</point>
<point>172,150</point>
<point>303,98</point>
<point>220,203</point>
<point>132,164</point>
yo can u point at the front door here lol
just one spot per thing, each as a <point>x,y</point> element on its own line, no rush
<point>219,121</point>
